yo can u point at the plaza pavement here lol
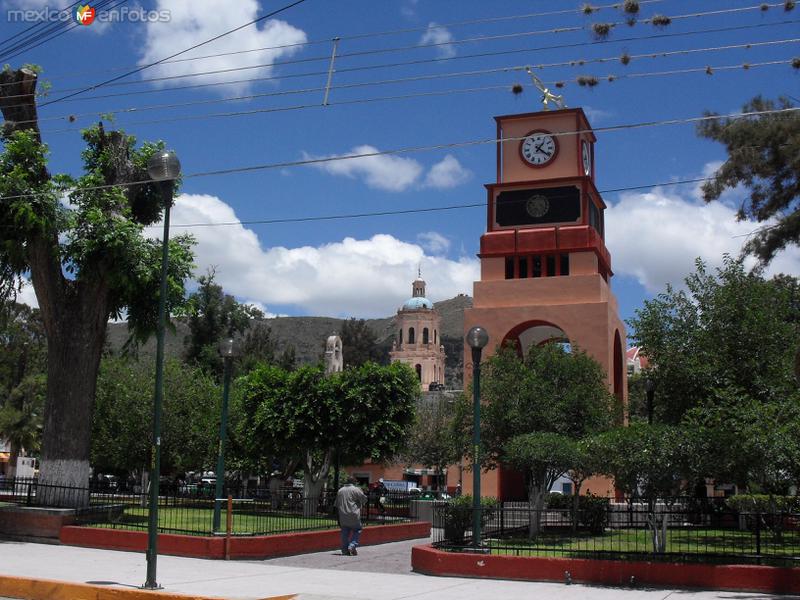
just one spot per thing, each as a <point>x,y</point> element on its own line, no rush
<point>378,573</point>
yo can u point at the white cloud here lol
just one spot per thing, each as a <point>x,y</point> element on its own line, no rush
<point>441,37</point>
<point>194,21</point>
<point>447,173</point>
<point>433,242</point>
<point>384,172</point>
<point>393,173</point>
<point>596,115</point>
<point>364,278</point>
<point>656,236</point>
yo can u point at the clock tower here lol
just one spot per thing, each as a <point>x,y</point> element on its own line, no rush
<point>545,269</point>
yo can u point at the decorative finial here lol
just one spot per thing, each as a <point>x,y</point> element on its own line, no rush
<point>547,95</point>
<point>419,270</point>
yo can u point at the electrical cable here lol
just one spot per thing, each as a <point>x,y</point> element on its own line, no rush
<point>581,80</point>
<point>114,83</point>
<point>360,36</point>
<point>51,31</point>
<point>434,147</point>
<point>513,68</point>
<point>401,211</point>
<point>152,64</point>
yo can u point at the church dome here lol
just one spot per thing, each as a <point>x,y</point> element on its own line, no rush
<point>416,303</point>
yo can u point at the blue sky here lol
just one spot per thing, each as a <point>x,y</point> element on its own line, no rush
<point>363,267</point>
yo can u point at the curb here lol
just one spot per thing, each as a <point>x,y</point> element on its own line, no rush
<point>51,589</point>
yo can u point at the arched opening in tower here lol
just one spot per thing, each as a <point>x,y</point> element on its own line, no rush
<point>536,333</point>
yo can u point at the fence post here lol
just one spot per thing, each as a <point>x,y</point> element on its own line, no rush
<point>228,528</point>
<point>30,485</point>
<point>758,536</point>
<point>502,520</point>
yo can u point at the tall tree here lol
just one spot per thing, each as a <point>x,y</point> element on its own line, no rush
<point>764,156</point>
<point>429,439</point>
<point>360,344</point>
<point>213,317</point>
<point>729,329</point>
<point>87,257</point>
<point>537,408</point>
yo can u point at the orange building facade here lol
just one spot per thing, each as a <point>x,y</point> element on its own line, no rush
<point>545,269</point>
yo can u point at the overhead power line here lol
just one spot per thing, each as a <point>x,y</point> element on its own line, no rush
<point>581,80</point>
<point>359,36</point>
<point>434,147</point>
<point>481,72</point>
<point>406,211</point>
<point>114,83</point>
<point>157,62</point>
<point>52,32</point>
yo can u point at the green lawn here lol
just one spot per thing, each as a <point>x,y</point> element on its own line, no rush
<point>689,541</point>
<point>198,521</point>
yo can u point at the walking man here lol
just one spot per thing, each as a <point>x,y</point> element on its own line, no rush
<point>349,500</point>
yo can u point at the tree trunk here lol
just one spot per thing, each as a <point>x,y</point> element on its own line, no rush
<point>312,481</point>
<point>536,495</point>
<point>73,359</point>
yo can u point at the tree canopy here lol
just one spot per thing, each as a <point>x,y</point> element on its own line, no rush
<point>82,242</point>
<point>764,156</point>
<point>214,316</point>
<point>360,344</point>
<point>535,411</point>
<point>305,416</point>
<point>122,417</point>
<point>729,329</point>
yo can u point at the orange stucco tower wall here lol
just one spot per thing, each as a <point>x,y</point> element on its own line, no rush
<point>545,269</point>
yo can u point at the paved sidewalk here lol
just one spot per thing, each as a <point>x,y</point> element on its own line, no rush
<point>320,576</point>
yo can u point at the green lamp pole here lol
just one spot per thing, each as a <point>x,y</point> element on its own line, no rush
<point>163,167</point>
<point>228,351</point>
<point>477,338</point>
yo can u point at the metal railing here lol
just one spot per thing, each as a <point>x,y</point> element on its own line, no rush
<point>674,531</point>
<point>189,509</point>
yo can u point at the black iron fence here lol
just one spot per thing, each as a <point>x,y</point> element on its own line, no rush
<point>189,508</point>
<point>674,530</point>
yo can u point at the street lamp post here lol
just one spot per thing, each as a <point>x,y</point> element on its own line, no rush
<point>650,388</point>
<point>477,338</point>
<point>228,352</point>
<point>163,167</point>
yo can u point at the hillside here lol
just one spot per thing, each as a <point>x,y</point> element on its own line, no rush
<point>308,335</point>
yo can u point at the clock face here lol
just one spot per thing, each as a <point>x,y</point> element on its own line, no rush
<point>587,159</point>
<point>538,148</point>
<point>537,206</point>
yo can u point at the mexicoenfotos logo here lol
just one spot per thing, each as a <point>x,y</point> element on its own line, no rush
<point>84,14</point>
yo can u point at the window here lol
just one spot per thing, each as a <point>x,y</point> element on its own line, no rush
<point>564,265</point>
<point>410,335</point>
<point>551,265</point>
<point>434,337</point>
<point>400,338</point>
<point>566,488</point>
<point>418,369</point>
<point>595,217</point>
<point>425,335</point>
<point>536,266</point>
<point>509,267</point>
<point>523,267</point>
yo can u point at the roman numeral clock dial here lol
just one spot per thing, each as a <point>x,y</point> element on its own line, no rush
<point>538,148</point>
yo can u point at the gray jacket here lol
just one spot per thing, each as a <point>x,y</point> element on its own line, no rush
<point>349,500</point>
